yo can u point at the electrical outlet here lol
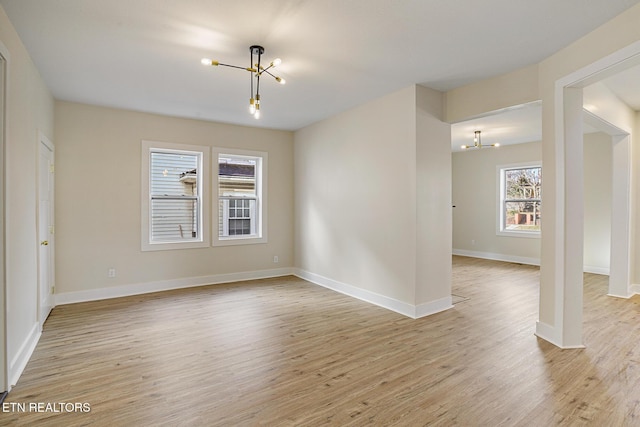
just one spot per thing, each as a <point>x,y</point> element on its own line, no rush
<point>275,259</point>
<point>111,272</point>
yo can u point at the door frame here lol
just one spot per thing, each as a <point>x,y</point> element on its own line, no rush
<point>565,284</point>
<point>44,310</point>
<point>4,78</point>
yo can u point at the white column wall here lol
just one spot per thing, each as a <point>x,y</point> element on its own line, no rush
<point>355,185</point>
<point>433,198</point>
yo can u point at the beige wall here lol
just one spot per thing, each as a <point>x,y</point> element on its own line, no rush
<point>355,184</point>
<point>433,198</point>
<point>475,186</point>
<point>597,201</point>
<point>98,199</point>
<point>516,88</point>
<point>29,109</point>
<point>373,199</point>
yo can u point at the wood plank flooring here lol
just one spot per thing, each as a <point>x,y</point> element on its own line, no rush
<point>284,352</point>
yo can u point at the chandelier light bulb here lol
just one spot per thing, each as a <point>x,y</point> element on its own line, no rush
<point>276,62</point>
<point>257,114</point>
<point>252,106</point>
<point>497,144</point>
<point>464,147</point>
<point>281,80</point>
<point>207,61</point>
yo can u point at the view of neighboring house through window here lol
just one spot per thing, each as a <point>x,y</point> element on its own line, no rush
<point>173,216</point>
<point>238,195</point>
<point>175,203</point>
<point>240,213</point>
<point>520,199</point>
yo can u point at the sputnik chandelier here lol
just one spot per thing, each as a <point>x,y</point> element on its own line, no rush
<point>256,69</point>
<point>477,142</point>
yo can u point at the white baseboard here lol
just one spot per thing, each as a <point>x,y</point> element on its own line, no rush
<point>547,333</point>
<point>20,360</point>
<point>433,307</point>
<point>521,260</point>
<point>383,301</point>
<point>165,285</point>
<point>497,257</point>
<point>596,270</point>
<point>635,289</point>
<point>551,334</point>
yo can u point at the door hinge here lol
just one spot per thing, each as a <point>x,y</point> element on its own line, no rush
<point>51,168</point>
<point>51,229</point>
<point>53,289</point>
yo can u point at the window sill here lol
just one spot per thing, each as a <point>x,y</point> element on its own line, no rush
<point>231,241</point>
<point>162,246</point>
<point>525,234</point>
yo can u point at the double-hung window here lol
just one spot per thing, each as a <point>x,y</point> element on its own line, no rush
<point>520,200</point>
<point>241,192</point>
<point>175,207</point>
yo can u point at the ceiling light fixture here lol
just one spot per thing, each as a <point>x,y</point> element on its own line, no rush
<point>256,69</point>
<point>477,142</point>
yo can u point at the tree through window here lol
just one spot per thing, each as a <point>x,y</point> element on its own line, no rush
<point>521,199</point>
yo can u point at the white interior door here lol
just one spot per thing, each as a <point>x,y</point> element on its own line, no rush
<point>4,386</point>
<point>45,229</point>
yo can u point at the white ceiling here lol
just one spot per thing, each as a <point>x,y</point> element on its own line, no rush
<point>145,54</point>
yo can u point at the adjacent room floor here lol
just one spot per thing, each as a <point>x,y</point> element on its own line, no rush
<point>286,352</point>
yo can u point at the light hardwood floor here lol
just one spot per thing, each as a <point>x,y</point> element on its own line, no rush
<point>285,352</point>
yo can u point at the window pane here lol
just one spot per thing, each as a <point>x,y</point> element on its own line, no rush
<point>239,227</point>
<point>523,183</point>
<point>174,220</point>
<point>236,176</point>
<point>173,174</point>
<point>239,221</point>
<point>522,216</point>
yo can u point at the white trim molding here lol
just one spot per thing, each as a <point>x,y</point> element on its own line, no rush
<point>433,307</point>
<point>19,362</point>
<point>549,333</point>
<point>383,301</point>
<point>596,270</point>
<point>520,260</point>
<point>165,285</point>
<point>497,257</point>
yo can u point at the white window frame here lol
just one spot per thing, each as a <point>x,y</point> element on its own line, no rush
<point>260,235</point>
<point>500,216</point>
<point>203,152</point>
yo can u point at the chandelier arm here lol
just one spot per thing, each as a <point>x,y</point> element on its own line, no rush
<point>265,71</point>
<point>236,66</point>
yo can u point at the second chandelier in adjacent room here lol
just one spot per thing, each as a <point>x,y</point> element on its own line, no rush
<point>477,142</point>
